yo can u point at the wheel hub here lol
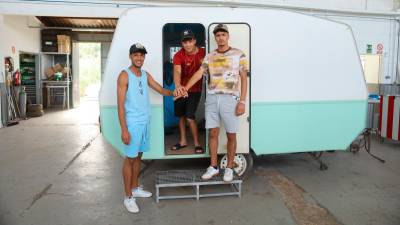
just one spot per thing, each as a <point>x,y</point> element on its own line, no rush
<point>240,163</point>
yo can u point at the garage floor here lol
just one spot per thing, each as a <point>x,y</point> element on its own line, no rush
<point>57,169</point>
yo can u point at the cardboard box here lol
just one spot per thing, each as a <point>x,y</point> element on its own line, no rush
<point>58,68</point>
<point>64,44</point>
<point>49,72</point>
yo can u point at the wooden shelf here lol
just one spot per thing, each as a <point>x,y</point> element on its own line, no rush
<point>54,53</point>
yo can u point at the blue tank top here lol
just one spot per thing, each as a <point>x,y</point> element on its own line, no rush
<point>137,100</point>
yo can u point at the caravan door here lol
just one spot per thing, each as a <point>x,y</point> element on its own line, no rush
<point>239,37</point>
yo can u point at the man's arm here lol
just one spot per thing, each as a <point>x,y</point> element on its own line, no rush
<point>196,77</point>
<point>122,87</point>
<point>177,75</point>
<point>241,106</point>
<point>177,81</point>
<point>157,87</point>
<point>243,85</point>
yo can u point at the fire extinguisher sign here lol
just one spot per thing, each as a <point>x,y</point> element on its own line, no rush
<point>379,48</point>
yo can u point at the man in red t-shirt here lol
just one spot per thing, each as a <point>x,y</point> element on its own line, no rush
<point>186,62</point>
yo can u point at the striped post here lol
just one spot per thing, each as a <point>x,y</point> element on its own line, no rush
<point>389,117</point>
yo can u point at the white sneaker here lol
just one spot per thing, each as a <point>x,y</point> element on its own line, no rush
<point>211,171</point>
<point>130,204</point>
<point>228,175</point>
<point>139,192</point>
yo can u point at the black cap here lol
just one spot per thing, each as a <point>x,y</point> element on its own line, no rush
<point>137,47</point>
<point>221,27</point>
<point>187,34</point>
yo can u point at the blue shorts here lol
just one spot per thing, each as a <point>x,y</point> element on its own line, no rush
<point>140,138</point>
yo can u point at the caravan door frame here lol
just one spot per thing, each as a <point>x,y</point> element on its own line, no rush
<point>222,151</point>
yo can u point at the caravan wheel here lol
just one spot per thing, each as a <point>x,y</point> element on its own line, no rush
<point>243,164</point>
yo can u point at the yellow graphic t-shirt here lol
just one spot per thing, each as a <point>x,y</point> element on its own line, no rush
<point>223,70</point>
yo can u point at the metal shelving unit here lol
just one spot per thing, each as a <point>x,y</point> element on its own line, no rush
<point>49,59</point>
<point>29,68</point>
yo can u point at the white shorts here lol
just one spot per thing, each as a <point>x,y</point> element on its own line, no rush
<point>222,107</point>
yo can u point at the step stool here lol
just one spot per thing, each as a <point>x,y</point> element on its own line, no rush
<point>192,178</point>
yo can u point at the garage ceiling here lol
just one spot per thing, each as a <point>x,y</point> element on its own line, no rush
<point>77,22</point>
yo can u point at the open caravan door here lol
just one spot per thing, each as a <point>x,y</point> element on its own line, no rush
<point>239,37</point>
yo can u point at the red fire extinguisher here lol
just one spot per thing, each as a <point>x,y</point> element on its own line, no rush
<point>17,78</point>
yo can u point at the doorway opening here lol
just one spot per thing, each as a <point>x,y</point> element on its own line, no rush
<point>89,70</point>
<point>171,45</point>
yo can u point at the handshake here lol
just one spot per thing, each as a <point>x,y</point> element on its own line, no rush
<point>180,92</point>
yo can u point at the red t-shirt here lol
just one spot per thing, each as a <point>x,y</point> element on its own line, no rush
<point>189,65</point>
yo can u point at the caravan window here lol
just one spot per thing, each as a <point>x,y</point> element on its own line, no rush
<point>171,45</point>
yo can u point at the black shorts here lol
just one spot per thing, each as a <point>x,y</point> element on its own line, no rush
<point>187,106</point>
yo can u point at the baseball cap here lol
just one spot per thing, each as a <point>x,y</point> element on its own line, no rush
<point>221,27</point>
<point>187,34</point>
<point>137,47</point>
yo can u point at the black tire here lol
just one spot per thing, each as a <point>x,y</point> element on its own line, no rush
<point>36,113</point>
<point>249,170</point>
<point>35,107</point>
<point>354,148</point>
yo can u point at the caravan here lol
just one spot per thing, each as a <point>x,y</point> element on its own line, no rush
<point>306,92</point>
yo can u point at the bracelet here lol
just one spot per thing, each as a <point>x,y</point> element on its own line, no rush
<point>243,102</point>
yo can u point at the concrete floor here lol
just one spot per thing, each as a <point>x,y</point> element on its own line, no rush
<point>57,169</point>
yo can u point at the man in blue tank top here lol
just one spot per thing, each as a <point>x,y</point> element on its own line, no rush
<point>134,117</point>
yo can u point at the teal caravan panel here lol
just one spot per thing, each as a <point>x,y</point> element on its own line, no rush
<point>112,131</point>
<point>305,126</point>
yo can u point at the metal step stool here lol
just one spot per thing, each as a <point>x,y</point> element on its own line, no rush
<point>192,178</point>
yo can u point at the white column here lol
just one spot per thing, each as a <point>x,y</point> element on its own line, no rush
<point>1,62</point>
